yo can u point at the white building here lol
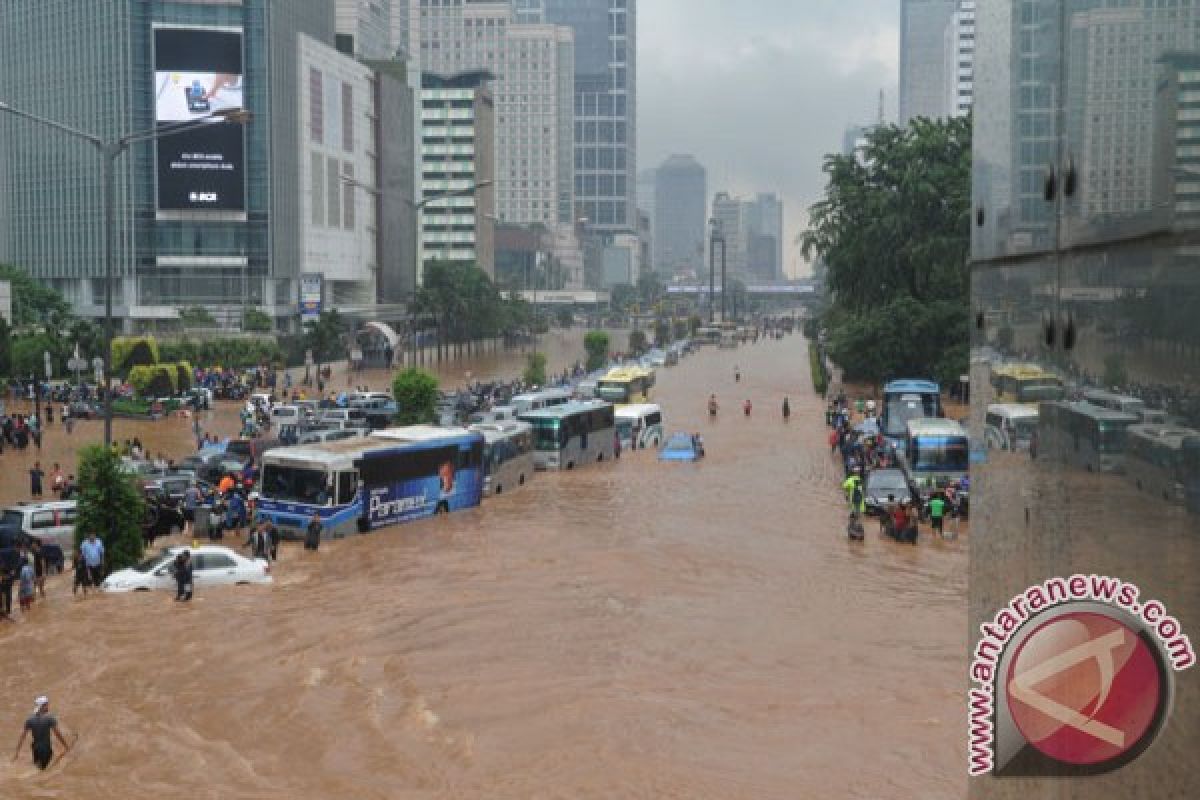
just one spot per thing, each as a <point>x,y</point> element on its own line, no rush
<point>730,214</point>
<point>457,222</point>
<point>364,28</point>
<point>960,60</point>
<point>533,65</point>
<point>338,158</point>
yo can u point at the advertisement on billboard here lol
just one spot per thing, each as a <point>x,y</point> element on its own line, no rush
<point>311,284</point>
<point>198,72</point>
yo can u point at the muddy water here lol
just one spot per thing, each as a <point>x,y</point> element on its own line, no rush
<point>630,630</point>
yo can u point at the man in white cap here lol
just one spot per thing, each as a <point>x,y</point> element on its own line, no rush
<point>40,725</point>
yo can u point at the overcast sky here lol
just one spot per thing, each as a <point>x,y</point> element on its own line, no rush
<point>759,90</point>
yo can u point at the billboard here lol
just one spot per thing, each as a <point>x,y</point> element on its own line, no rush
<point>197,72</point>
<point>311,285</point>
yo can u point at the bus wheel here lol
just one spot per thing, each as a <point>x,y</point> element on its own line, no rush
<point>570,465</point>
<point>600,457</point>
<point>499,489</point>
<point>442,508</point>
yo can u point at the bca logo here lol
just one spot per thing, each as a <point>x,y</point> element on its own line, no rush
<point>203,197</point>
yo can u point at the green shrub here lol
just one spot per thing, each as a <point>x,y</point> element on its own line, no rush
<point>158,380</point>
<point>183,373</point>
<point>535,369</point>
<point>596,345</point>
<point>256,320</point>
<point>133,351</point>
<point>820,377</point>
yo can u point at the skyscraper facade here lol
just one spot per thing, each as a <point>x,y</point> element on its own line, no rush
<point>923,78</point>
<point>764,237</point>
<point>680,203</point>
<point>364,28</point>
<point>180,240</point>
<point>730,215</point>
<point>533,65</point>
<point>960,59</point>
<point>605,105</point>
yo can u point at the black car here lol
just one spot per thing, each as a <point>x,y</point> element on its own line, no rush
<point>881,483</point>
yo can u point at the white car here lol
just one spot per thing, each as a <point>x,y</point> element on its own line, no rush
<point>211,566</point>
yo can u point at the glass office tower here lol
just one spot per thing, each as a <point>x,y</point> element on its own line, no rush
<point>92,66</point>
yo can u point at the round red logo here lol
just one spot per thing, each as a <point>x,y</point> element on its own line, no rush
<point>1084,688</point>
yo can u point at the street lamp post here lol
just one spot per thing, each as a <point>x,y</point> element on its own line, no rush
<point>109,150</point>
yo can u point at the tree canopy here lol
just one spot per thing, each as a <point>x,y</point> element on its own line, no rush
<point>893,232</point>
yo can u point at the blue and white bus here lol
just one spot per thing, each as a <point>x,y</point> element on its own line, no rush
<point>936,454</point>
<point>392,476</point>
<point>906,400</point>
<point>572,435</point>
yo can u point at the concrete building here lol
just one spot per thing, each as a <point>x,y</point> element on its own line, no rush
<point>960,59</point>
<point>605,103</point>
<point>533,65</point>
<point>222,239</point>
<point>397,127</point>
<point>730,214</point>
<point>854,139</point>
<point>457,134</point>
<point>364,28</point>
<point>680,218</point>
<point>923,79</point>
<point>337,110</point>
<point>764,237</point>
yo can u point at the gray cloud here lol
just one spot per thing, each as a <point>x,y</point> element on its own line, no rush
<point>760,90</point>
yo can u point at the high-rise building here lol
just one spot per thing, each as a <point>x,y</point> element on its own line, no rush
<point>680,202</point>
<point>960,59</point>
<point>533,65</point>
<point>222,238</point>
<point>605,105</point>
<point>730,215</point>
<point>457,118</point>
<point>364,28</point>
<point>764,237</point>
<point>923,78</point>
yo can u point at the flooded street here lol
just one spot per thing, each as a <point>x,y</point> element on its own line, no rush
<point>631,630</point>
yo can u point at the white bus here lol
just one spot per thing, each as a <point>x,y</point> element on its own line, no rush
<point>640,426</point>
<point>1126,404</point>
<point>507,454</point>
<point>1083,435</point>
<point>535,401</point>
<point>573,434</point>
<point>936,453</point>
<point>1164,460</point>
<point>1010,426</point>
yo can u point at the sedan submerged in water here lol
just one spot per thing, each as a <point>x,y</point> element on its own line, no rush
<point>211,566</point>
<point>682,447</point>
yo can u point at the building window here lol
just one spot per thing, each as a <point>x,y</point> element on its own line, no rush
<point>347,118</point>
<point>316,106</point>
<point>335,193</point>
<point>317,168</point>
<point>348,204</point>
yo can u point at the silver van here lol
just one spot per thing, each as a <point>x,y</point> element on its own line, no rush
<point>53,522</point>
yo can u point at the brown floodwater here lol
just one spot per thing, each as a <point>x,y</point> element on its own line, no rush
<point>629,630</point>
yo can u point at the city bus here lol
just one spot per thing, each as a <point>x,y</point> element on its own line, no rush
<point>1083,435</point>
<point>573,434</point>
<point>1025,384</point>
<point>640,426</point>
<point>905,400</point>
<point>625,385</point>
<point>1010,426</point>
<point>392,476</point>
<point>936,453</point>
<point>1130,405</point>
<point>507,454</point>
<point>1164,460</point>
<point>533,401</point>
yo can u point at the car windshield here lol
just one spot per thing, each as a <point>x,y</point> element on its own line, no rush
<point>152,563</point>
<point>939,453</point>
<point>906,407</point>
<point>886,480</point>
<point>14,518</point>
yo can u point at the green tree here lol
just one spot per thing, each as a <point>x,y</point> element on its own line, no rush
<point>893,231</point>
<point>111,506</point>
<point>197,317</point>
<point>32,302</point>
<point>323,336</point>
<point>5,348</point>
<point>256,320</point>
<point>622,297</point>
<point>535,369</point>
<point>27,354</point>
<point>637,342</point>
<point>650,289</point>
<point>416,393</point>
<point>595,343</point>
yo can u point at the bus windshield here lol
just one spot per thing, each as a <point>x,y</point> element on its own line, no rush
<point>294,485</point>
<point>613,391</point>
<point>546,434</point>
<point>902,408</point>
<point>939,454</point>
